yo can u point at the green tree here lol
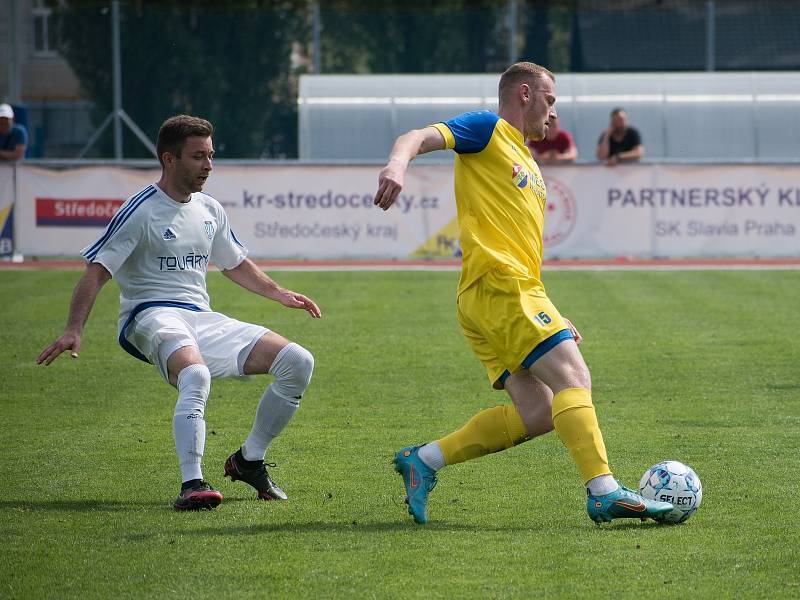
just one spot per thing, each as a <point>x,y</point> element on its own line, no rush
<point>537,32</point>
<point>229,62</point>
<point>413,36</point>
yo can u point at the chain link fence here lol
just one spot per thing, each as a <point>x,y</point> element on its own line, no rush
<point>238,63</point>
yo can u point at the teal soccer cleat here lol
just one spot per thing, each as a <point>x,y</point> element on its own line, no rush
<point>624,503</point>
<point>419,480</point>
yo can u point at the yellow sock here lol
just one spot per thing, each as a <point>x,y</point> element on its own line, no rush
<point>576,424</point>
<point>491,430</point>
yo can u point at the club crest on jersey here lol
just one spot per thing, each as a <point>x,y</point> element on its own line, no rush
<point>169,234</point>
<point>209,226</point>
<point>519,176</point>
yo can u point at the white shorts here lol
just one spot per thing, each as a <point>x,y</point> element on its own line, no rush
<point>224,343</point>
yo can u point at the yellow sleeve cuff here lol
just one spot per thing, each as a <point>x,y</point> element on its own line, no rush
<point>449,139</point>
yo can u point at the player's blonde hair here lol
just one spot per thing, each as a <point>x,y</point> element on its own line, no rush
<point>521,72</point>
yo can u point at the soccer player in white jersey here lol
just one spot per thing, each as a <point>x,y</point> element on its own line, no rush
<point>158,246</point>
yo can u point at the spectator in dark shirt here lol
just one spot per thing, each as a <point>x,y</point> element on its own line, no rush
<point>557,147</point>
<point>620,142</point>
<point>13,137</point>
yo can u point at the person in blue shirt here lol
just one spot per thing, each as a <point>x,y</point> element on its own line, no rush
<point>13,137</point>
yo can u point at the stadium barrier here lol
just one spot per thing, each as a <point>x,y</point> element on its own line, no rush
<point>318,211</point>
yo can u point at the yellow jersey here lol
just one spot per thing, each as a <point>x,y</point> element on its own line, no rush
<point>500,196</point>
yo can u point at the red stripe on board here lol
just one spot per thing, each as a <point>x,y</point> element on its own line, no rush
<point>76,212</point>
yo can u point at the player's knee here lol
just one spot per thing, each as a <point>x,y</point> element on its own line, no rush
<point>194,384</point>
<point>292,369</point>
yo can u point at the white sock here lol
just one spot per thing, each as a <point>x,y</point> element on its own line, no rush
<point>273,414</point>
<point>292,369</point>
<point>602,485</point>
<point>188,425</point>
<point>431,455</point>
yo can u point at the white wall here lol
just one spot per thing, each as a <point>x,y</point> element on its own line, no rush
<point>688,117</point>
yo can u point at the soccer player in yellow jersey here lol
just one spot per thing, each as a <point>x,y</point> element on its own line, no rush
<point>526,346</point>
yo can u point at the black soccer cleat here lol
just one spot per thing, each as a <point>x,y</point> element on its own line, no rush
<point>256,476</point>
<point>198,496</point>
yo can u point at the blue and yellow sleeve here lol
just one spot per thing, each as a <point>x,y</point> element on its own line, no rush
<point>469,132</point>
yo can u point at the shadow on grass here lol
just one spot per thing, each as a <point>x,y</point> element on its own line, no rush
<point>629,524</point>
<point>88,505</point>
<point>443,526</point>
<point>783,386</point>
<point>98,505</point>
<point>338,527</point>
<point>401,526</point>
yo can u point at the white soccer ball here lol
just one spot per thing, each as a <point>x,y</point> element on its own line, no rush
<point>675,482</point>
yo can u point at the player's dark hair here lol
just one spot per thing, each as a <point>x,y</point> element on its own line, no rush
<point>522,72</point>
<point>174,131</point>
<point>617,111</point>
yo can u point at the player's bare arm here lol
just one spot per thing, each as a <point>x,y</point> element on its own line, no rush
<point>406,147</point>
<point>86,290</point>
<point>251,278</point>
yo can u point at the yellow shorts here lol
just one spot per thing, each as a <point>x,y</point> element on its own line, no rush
<point>509,322</point>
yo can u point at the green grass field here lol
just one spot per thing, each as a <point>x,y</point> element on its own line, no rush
<point>702,367</point>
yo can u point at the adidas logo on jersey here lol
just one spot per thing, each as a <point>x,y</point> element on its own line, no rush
<point>169,234</point>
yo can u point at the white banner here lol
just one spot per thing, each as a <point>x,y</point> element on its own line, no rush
<point>276,211</point>
<point>7,176</point>
<point>673,211</point>
<point>305,211</point>
<point>60,212</point>
<point>327,212</point>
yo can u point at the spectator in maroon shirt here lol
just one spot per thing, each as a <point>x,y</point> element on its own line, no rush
<point>620,142</point>
<point>557,147</point>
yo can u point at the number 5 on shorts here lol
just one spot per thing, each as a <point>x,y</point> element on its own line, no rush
<point>543,318</point>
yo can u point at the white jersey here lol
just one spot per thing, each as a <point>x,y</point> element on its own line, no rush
<point>159,249</point>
